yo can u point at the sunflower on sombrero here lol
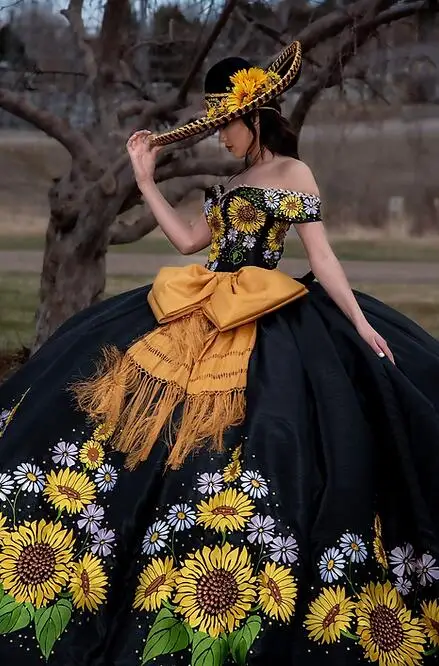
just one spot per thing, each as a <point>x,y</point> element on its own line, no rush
<point>233,88</point>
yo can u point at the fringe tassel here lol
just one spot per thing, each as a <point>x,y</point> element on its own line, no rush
<point>140,405</point>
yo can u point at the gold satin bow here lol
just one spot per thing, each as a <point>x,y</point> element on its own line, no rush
<point>197,360</point>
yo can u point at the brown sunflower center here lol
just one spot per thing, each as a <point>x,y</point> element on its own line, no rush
<point>154,586</point>
<point>215,222</point>
<point>71,493</point>
<point>275,591</point>
<point>93,454</point>
<point>246,212</point>
<point>331,616</point>
<point>217,591</point>
<point>36,563</point>
<point>224,511</point>
<point>85,582</point>
<point>386,628</point>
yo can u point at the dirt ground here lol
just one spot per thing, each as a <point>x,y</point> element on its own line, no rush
<point>143,264</point>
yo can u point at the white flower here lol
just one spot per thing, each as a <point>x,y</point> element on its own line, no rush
<point>232,234</point>
<point>272,199</point>
<point>268,254</point>
<point>331,565</point>
<point>249,242</point>
<point>254,484</point>
<point>181,516</point>
<point>214,265</point>
<point>4,415</point>
<point>311,206</point>
<point>210,483</point>
<point>155,537</point>
<point>103,542</point>
<point>284,550</point>
<point>90,518</point>
<point>6,486</point>
<point>353,547</point>
<point>222,242</point>
<point>260,529</point>
<point>402,560</point>
<point>65,453</point>
<point>106,477</point>
<point>208,206</point>
<point>426,569</point>
<point>403,585</point>
<point>29,477</point>
<point>276,255</point>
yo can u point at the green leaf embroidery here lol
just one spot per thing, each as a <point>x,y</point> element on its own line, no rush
<point>207,651</point>
<point>50,622</point>
<point>14,616</point>
<point>167,634</point>
<point>240,641</point>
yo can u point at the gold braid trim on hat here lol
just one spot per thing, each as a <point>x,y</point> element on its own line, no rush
<point>193,364</point>
<point>278,85</point>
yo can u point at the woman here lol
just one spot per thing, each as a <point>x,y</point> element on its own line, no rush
<point>251,473</point>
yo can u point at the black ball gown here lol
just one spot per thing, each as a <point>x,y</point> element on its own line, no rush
<point>312,539</point>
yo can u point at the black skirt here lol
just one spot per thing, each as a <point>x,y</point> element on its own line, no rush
<point>313,539</point>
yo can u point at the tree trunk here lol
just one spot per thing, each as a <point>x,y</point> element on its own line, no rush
<point>74,266</point>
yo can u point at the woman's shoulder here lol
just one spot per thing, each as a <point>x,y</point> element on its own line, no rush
<point>293,174</point>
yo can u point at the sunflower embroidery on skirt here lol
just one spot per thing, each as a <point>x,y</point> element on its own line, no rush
<point>375,615</point>
<point>214,601</point>
<point>54,545</point>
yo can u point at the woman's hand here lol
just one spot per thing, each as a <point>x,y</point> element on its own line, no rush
<point>375,340</point>
<point>143,156</point>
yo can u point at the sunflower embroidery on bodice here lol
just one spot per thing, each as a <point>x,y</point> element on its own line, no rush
<point>249,224</point>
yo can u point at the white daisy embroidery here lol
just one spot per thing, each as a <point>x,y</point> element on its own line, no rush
<point>254,484</point>
<point>268,254</point>
<point>65,454</point>
<point>90,518</point>
<point>210,483</point>
<point>249,242</point>
<point>260,529</point>
<point>208,206</point>
<point>181,517</point>
<point>222,242</point>
<point>214,265</point>
<point>311,205</point>
<point>103,542</point>
<point>4,415</point>
<point>353,547</point>
<point>426,569</point>
<point>403,585</point>
<point>284,550</point>
<point>271,198</point>
<point>155,537</point>
<point>6,486</point>
<point>106,478</point>
<point>29,477</point>
<point>402,560</point>
<point>232,235</point>
<point>331,565</point>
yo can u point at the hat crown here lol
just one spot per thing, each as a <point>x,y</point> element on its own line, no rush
<point>218,77</point>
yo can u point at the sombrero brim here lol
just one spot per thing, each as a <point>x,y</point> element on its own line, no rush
<point>287,64</point>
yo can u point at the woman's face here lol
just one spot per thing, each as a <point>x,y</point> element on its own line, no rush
<point>236,137</point>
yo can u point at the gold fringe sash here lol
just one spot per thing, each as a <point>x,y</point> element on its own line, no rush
<point>192,369</point>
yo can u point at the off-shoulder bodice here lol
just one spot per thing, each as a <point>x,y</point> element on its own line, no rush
<point>249,224</point>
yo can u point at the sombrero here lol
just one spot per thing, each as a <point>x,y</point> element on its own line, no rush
<point>233,88</point>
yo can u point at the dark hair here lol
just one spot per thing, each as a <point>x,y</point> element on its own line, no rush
<point>275,132</point>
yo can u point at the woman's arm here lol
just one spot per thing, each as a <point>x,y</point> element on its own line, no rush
<point>187,238</point>
<point>325,265</point>
<point>329,272</point>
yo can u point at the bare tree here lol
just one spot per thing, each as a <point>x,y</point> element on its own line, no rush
<point>86,202</point>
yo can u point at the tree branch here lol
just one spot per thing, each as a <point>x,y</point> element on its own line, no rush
<point>73,14</point>
<point>204,50</point>
<point>58,128</point>
<point>332,74</point>
<point>121,232</point>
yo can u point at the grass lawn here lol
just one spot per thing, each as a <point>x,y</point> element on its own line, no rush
<point>379,249</point>
<point>19,297</point>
